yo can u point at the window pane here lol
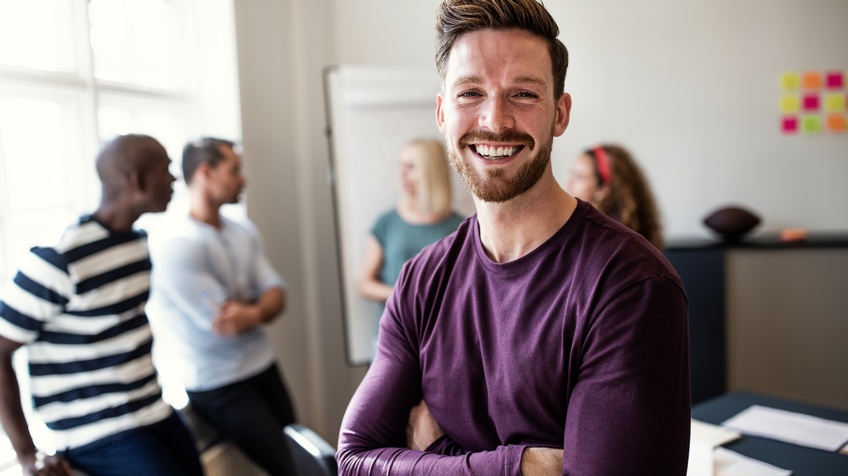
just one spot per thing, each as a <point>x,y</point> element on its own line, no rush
<point>36,165</point>
<point>167,125</point>
<point>37,34</point>
<point>137,42</point>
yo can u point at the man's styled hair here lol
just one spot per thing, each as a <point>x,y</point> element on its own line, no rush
<point>456,17</point>
<point>205,149</point>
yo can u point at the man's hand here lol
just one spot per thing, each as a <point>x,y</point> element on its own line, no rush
<point>423,429</point>
<point>235,317</point>
<point>52,465</point>
<point>541,461</point>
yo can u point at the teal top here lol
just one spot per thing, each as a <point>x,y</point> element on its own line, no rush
<point>402,240</point>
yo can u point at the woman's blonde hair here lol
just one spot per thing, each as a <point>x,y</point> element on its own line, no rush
<point>433,190</point>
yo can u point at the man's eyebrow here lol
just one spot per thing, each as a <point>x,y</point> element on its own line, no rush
<point>529,80</point>
<point>463,80</point>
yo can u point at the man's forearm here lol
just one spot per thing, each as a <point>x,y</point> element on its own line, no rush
<point>12,414</point>
<point>271,304</point>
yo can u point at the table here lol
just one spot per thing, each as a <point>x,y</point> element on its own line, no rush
<point>801,460</point>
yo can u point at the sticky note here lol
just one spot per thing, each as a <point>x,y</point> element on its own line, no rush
<point>835,102</point>
<point>811,102</point>
<point>835,80</point>
<point>811,124</point>
<point>836,123</point>
<point>790,81</point>
<point>811,80</point>
<point>790,104</point>
<point>789,125</point>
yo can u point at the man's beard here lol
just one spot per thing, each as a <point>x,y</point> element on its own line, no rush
<point>495,186</point>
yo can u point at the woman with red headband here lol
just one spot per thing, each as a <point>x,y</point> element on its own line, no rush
<point>607,177</point>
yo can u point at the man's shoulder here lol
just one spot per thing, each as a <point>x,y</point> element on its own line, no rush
<point>610,247</point>
<point>81,232</point>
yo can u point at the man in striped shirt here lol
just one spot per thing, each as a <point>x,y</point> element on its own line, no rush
<point>78,307</point>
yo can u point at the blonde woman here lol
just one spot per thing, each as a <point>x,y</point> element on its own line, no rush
<point>422,216</point>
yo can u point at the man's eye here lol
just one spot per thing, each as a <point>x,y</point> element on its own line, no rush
<point>469,94</point>
<point>526,94</point>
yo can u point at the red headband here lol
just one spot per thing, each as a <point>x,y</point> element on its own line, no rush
<point>602,163</point>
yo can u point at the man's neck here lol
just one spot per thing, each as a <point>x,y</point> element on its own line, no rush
<point>205,212</point>
<point>115,217</point>
<point>514,228</point>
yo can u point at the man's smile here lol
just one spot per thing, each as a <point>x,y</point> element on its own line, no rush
<point>495,152</point>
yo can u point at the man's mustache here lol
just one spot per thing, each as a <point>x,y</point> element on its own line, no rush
<point>508,137</point>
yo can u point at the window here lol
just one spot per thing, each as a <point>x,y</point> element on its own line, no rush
<point>73,74</point>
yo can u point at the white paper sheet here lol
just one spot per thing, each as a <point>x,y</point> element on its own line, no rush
<point>731,463</point>
<point>705,437</point>
<point>700,459</point>
<point>714,435</point>
<point>791,427</point>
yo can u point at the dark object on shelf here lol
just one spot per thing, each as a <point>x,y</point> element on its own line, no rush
<point>731,223</point>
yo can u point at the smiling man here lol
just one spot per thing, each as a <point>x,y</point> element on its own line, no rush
<point>542,337</point>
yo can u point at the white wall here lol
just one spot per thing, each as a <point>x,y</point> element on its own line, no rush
<point>690,87</point>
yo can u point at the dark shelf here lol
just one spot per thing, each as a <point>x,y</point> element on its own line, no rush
<point>763,241</point>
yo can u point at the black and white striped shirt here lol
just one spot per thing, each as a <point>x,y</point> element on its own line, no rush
<point>79,309</point>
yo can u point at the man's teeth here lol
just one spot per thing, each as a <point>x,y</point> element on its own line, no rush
<point>487,151</point>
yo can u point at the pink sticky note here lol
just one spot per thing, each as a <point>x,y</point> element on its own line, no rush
<point>835,80</point>
<point>789,125</point>
<point>811,102</point>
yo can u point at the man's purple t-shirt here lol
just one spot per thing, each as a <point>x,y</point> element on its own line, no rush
<point>582,344</point>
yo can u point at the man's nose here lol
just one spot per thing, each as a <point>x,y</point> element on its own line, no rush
<point>496,114</point>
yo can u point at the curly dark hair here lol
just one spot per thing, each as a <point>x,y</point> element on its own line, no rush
<point>629,198</point>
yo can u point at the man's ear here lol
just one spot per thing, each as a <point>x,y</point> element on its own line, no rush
<point>563,114</point>
<point>137,180</point>
<point>440,114</point>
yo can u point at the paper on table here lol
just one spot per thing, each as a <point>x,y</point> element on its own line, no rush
<point>705,437</point>
<point>731,463</point>
<point>791,427</point>
<point>700,459</point>
<point>713,435</point>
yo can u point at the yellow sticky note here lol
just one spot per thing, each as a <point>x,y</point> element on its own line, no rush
<point>790,81</point>
<point>812,80</point>
<point>790,104</point>
<point>836,123</point>
<point>811,124</point>
<point>834,102</point>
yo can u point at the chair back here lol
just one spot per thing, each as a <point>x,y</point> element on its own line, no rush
<point>312,455</point>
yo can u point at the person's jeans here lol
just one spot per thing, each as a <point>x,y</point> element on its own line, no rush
<point>252,414</point>
<point>165,448</point>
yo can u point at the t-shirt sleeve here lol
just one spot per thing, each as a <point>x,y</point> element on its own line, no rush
<point>380,229</point>
<point>38,293</point>
<point>629,412</point>
<point>373,433</point>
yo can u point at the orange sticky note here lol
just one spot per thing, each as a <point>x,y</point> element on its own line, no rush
<point>790,81</point>
<point>836,123</point>
<point>811,80</point>
<point>790,104</point>
<point>834,102</point>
